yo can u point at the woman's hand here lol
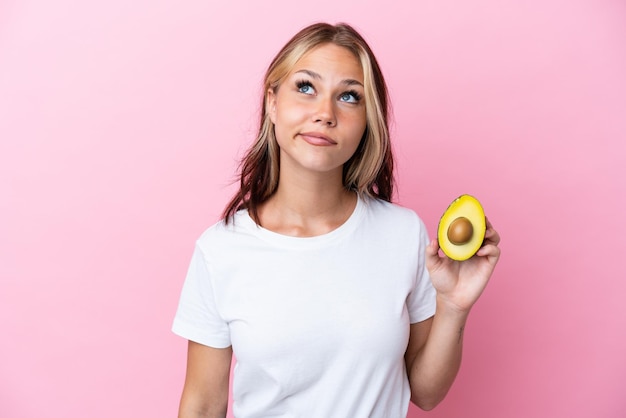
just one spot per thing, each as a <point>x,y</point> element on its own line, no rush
<point>460,283</point>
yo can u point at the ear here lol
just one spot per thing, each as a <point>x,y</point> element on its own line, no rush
<point>270,106</point>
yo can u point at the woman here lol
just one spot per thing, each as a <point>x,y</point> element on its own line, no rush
<point>331,297</point>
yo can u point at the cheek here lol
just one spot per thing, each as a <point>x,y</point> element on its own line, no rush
<point>358,125</point>
<point>286,121</point>
<point>288,113</point>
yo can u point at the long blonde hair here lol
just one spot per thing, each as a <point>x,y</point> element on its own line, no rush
<point>368,172</point>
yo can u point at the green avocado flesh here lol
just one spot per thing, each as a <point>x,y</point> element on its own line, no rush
<point>461,228</point>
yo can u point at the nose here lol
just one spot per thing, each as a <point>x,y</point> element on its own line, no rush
<point>325,113</point>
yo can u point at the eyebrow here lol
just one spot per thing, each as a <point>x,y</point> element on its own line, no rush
<point>313,74</point>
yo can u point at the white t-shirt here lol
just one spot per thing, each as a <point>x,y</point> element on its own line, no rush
<point>318,325</point>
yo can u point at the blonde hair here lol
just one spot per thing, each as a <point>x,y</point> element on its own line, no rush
<point>368,172</point>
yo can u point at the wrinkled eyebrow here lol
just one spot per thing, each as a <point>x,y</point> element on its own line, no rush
<point>316,76</point>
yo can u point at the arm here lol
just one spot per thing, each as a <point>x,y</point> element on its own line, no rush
<point>433,355</point>
<point>205,393</point>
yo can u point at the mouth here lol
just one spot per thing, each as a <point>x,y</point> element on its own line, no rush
<point>318,139</point>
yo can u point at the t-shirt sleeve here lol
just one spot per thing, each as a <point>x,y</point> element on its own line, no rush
<point>197,318</point>
<point>422,300</point>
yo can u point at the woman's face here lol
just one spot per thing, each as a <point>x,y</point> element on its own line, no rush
<point>319,110</point>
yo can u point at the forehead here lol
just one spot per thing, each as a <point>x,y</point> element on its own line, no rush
<point>331,59</point>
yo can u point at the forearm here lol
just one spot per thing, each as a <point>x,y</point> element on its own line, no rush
<point>193,409</point>
<point>205,393</point>
<point>436,365</point>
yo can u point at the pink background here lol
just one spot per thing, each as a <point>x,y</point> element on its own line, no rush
<point>121,124</point>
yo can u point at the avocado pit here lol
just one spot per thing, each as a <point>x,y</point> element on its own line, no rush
<point>460,231</point>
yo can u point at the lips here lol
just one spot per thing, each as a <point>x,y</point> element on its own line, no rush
<point>318,139</point>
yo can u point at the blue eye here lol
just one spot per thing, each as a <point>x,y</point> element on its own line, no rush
<point>350,97</point>
<point>305,87</point>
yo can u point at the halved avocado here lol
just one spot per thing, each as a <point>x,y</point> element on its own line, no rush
<point>461,228</point>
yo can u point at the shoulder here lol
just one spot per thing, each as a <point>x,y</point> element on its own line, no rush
<point>392,214</point>
<point>222,235</point>
<point>391,222</point>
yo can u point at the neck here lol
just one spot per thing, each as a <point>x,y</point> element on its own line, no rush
<point>308,205</point>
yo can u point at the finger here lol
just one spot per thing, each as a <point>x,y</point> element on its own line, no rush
<point>432,255</point>
<point>432,250</point>
<point>491,234</point>
<point>492,252</point>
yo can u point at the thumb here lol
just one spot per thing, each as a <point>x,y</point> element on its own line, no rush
<point>432,255</point>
